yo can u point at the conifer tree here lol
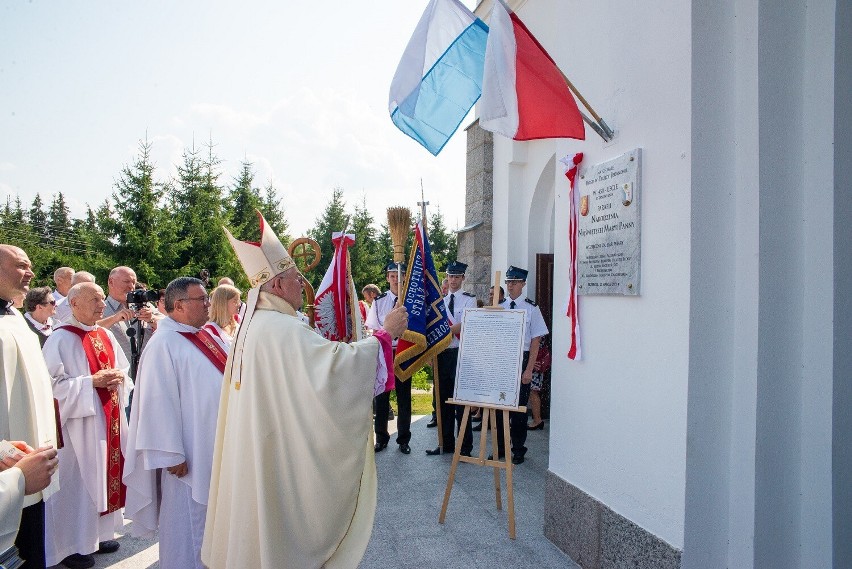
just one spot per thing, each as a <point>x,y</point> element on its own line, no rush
<point>444,244</point>
<point>364,255</point>
<point>197,202</point>
<point>38,218</point>
<point>59,220</point>
<point>141,218</point>
<point>332,219</point>
<point>274,215</point>
<point>243,200</point>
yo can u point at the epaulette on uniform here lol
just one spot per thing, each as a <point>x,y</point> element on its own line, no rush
<point>384,294</point>
<point>531,302</point>
<point>469,294</point>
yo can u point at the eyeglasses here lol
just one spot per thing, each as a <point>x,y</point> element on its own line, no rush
<point>205,299</point>
<point>50,302</point>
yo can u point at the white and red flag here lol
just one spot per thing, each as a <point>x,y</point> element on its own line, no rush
<point>524,94</point>
<point>572,168</point>
<point>335,315</point>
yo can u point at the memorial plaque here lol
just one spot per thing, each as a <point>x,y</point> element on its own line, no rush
<point>608,251</point>
<point>490,357</point>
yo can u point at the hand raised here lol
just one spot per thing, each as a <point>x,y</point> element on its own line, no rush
<point>396,321</point>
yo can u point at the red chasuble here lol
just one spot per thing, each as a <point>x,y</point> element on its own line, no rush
<point>208,346</point>
<point>99,353</point>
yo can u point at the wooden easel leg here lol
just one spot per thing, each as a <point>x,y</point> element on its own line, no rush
<point>510,495</point>
<point>453,467</point>
<point>495,451</point>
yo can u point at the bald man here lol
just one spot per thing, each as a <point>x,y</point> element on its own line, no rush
<point>62,277</point>
<point>26,411</point>
<point>90,381</point>
<point>63,310</point>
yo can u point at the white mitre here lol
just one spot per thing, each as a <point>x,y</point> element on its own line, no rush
<point>264,260</point>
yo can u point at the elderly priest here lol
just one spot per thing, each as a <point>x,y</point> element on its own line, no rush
<point>294,476</point>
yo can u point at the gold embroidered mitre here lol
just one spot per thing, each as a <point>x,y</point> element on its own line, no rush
<point>261,261</point>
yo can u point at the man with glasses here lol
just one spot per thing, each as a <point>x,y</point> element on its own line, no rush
<point>173,427</point>
<point>535,329</point>
<point>294,475</point>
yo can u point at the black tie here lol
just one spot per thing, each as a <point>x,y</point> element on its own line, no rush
<point>512,304</point>
<point>452,305</point>
<point>5,307</point>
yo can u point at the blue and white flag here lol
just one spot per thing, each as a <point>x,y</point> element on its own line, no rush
<point>439,77</point>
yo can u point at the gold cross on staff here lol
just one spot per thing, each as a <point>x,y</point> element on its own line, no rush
<point>303,249</point>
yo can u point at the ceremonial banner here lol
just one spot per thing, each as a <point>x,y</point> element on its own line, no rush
<point>335,312</point>
<point>524,94</point>
<point>428,328</point>
<point>572,167</point>
<point>439,77</point>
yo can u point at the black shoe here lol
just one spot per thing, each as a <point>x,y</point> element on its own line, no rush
<point>432,424</point>
<point>465,453</point>
<point>477,427</point>
<point>539,427</point>
<point>77,561</point>
<point>433,451</point>
<point>517,460</point>
<point>500,457</point>
<point>380,447</point>
<point>390,414</point>
<point>404,448</point>
<point>109,546</point>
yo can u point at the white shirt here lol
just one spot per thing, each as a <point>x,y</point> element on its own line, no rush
<point>462,300</point>
<point>535,326</point>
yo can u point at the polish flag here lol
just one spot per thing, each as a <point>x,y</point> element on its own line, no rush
<point>524,94</point>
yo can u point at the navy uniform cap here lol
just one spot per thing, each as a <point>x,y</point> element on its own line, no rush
<point>392,267</point>
<point>456,268</point>
<point>516,274</point>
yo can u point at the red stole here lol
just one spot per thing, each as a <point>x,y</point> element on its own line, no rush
<point>208,346</point>
<point>99,353</point>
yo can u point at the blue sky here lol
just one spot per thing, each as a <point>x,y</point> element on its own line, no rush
<point>298,88</point>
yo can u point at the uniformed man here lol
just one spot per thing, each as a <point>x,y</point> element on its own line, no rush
<point>381,306</point>
<point>535,329</point>
<point>456,301</point>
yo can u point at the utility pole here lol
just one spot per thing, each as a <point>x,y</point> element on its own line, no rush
<point>423,203</point>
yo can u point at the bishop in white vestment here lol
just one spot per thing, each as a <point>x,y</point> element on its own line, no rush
<point>294,473</point>
<point>75,521</point>
<point>173,427</point>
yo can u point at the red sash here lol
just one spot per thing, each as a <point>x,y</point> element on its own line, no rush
<point>99,352</point>
<point>208,346</point>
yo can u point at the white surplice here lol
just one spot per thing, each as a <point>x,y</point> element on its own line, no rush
<point>294,472</point>
<point>173,420</point>
<point>73,523</point>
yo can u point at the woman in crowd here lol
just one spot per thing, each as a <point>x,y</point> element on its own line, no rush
<point>40,308</point>
<point>225,306</point>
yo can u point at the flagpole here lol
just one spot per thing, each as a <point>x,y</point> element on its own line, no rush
<point>586,104</point>
<point>594,126</point>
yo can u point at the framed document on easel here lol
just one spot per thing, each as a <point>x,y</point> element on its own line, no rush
<point>491,351</point>
<point>488,375</point>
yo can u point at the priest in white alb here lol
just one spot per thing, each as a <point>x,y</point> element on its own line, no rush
<point>90,381</point>
<point>294,473</point>
<point>173,427</point>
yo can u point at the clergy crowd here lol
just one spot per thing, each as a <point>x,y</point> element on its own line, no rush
<point>194,414</point>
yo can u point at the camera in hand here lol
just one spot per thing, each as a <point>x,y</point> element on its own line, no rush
<point>138,298</point>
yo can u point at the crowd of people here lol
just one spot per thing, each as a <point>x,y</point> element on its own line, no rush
<point>133,409</point>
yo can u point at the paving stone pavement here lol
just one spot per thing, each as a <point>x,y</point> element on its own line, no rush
<point>406,532</point>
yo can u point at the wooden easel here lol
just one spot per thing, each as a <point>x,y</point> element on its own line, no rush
<point>489,421</point>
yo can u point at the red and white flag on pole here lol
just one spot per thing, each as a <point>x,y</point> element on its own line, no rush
<point>335,315</point>
<point>524,94</point>
<point>572,168</point>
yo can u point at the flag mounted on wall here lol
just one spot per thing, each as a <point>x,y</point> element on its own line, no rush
<point>428,327</point>
<point>439,77</point>
<point>524,94</point>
